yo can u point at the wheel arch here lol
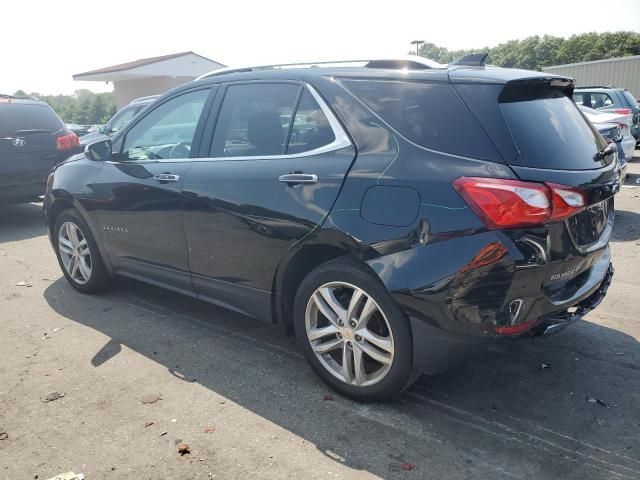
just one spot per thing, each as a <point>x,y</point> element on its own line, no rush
<point>58,204</point>
<point>325,246</point>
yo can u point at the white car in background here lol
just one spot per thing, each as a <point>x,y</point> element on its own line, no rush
<point>628,142</point>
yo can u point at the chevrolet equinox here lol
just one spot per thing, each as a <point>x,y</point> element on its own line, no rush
<point>394,214</point>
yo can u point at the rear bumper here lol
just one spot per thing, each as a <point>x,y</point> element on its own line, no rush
<point>459,294</point>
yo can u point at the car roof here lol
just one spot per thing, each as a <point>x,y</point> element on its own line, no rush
<point>4,99</point>
<point>454,74</point>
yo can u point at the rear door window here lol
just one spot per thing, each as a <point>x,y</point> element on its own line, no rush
<point>429,114</point>
<point>311,128</point>
<point>551,132</point>
<point>600,100</point>
<point>254,120</point>
<point>22,118</point>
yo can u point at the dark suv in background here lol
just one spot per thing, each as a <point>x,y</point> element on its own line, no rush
<point>33,140</point>
<point>611,99</point>
<point>394,214</point>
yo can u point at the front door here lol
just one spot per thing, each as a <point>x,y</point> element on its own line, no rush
<point>139,193</point>
<point>275,166</point>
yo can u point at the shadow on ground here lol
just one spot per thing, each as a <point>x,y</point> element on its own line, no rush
<point>20,222</point>
<point>500,415</point>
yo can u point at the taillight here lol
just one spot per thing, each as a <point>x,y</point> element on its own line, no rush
<point>504,203</point>
<point>67,141</point>
<point>623,111</point>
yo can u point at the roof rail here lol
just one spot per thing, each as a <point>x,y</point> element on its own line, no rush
<point>409,62</point>
<point>597,86</point>
<point>143,99</point>
<point>472,60</point>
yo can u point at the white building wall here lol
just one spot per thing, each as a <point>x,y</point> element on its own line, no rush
<point>127,90</point>
<point>623,72</point>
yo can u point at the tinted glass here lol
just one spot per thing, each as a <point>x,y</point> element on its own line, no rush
<point>311,128</point>
<point>168,130</point>
<point>16,117</point>
<point>254,120</point>
<point>552,133</point>
<point>429,114</point>
<point>123,118</point>
<point>633,103</point>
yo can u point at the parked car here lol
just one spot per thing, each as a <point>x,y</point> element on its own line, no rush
<point>118,121</point>
<point>79,130</point>
<point>626,141</point>
<point>612,133</point>
<point>33,140</point>
<point>611,99</point>
<point>414,217</point>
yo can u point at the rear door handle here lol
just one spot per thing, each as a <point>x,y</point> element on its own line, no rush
<point>296,178</point>
<point>166,177</point>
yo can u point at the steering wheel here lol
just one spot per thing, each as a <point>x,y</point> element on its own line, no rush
<point>180,150</point>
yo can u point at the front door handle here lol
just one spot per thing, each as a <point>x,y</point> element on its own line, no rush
<point>166,177</point>
<point>296,178</point>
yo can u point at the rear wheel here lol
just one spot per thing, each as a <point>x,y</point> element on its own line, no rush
<point>352,332</point>
<point>78,253</point>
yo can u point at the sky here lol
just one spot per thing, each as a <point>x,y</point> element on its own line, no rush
<point>43,43</point>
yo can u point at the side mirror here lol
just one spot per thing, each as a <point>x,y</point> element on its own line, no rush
<point>99,151</point>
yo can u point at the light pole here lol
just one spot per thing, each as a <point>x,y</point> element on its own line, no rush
<point>417,43</point>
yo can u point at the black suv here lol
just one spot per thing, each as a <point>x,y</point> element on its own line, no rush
<point>395,216</point>
<point>33,140</point>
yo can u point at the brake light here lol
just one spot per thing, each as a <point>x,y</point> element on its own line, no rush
<point>67,141</point>
<point>566,201</point>
<point>505,203</point>
<point>623,111</point>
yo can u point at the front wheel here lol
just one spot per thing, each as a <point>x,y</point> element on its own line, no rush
<point>78,253</point>
<point>352,332</point>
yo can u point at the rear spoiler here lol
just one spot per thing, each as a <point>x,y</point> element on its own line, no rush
<point>536,88</point>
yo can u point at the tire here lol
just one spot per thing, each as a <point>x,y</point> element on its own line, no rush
<point>89,274</point>
<point>386,366</point>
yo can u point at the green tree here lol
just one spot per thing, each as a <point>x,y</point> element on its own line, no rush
<point>83,107</point>
<point>536,52</point>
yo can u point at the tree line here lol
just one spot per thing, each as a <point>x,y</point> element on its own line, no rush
<point>534,53</point>
<point>84,107</point>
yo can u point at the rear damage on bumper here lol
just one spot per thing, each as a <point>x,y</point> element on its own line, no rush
<point>463,293</point>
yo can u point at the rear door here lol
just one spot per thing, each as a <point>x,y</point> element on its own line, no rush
<point>28,150</point>
<point>276,163</point>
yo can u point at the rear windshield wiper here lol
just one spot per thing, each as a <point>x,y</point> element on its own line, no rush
<point>601,154</point>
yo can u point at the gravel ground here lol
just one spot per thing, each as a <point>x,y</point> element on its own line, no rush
<point>241,396</point>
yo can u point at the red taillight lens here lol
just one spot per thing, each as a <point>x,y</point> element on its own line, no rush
<point>67,141</point>
<point>623,111</point>
<point>567,201</point>
<point>515,329</point>
<point>503,203</point>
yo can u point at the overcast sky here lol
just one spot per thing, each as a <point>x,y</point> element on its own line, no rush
<point>43,43</point>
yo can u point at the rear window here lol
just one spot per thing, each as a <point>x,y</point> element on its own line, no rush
<point>429,114</point>
<point>16,117</point>
<point>633,103</point>
<point>552,133</point>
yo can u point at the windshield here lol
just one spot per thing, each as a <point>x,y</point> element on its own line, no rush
<point>552,133</point>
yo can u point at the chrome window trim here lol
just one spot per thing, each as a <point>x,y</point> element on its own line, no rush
<point>341,141</point>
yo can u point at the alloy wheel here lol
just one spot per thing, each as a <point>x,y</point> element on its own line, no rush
<point>349,334</point>
<point>74,252</point>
